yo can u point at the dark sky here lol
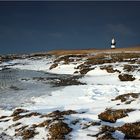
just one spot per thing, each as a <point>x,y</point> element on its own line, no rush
<point>42,26</point>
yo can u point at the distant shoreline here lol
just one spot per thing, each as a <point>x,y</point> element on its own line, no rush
<point>89,51</point>
<point>76,51</point>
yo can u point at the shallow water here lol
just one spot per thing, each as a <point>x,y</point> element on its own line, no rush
<point>18,87</point>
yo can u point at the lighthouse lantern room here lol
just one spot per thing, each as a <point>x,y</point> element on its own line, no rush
<point>113,43</point>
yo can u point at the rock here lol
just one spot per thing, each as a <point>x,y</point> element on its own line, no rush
<point>131,130</point>
<point>59,114</point>
<point>76,72</point>
<point>111,115</point>
<point>14,88</point>
<point>18,111</point>
<point>16,124</point>
<point>31,114</point>
<point>126,77</point>
<point>104,133</point>
<point>106,136</point>
<point>74,122</point>
<point>17,117</point>
<point>27,134</point>
<point>3,117</point>
<point>5,120</point>
<point>68,112</point>
<point>106,128</point>
<point>69,58</point>
<point>53,66</point>
<point>126,97</point>
<point>109,69</point>
<point>91,124</point>
<point>20,129</point>
<point>129,68</point>
<point>72,80</point>
<point>85,70</point>
<point>44,124</point>
<point>58,130</point>
<point>16,114</point>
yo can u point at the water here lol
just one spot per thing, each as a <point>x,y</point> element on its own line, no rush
<point>18,87</point>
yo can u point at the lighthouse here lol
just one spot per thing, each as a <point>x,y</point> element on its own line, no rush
<point>113,43</point>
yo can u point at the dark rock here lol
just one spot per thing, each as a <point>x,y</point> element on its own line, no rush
<point>16,124</point>
<point>131,130</point>
<point>58,130</point>
<point>5,120</point>
<point>91,124</point>
<point>53,66</point>
<point>31,114</point>
<point>66,81</point>
<point>85,70</point>
<point>126,77</point>
<point>106,136</point>
<point>126,97</point>
<point>3,117</point>
<point>17,115</point>
<point>111,115</point>
<point>18,111</point>
<point>68,112</point>
<point>76,72</point>
<point>14,88</point>
<point>74,122</point>
<point>59,114</point>
<point>105,133</point>
<point>106,128</point>
<point>69,58</point>
<point>27,134</point>
<point>18,130</point>
<point>109,69</point>
<point>129,68</point>
<point>44,124</point>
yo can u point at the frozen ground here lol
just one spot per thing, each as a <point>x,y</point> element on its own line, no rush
<point>88,100</point>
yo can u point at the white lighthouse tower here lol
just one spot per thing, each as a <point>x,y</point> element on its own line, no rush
<point>113,43</point>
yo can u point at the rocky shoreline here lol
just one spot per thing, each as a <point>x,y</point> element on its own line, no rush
<point>58,126</point>
<point>99,98</point>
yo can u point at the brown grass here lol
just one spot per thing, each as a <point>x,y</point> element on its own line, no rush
<point>88,51</point>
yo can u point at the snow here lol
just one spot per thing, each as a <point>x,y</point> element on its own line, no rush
<point>64,69</point>
<point>97,71</point>
<point>131,118</point>
<point>30,64</point>
<point>40,65</point>
<point>41,135</point>
<point>92,98</point>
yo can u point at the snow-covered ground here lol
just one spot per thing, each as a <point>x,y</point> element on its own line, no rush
<point>92,98</point>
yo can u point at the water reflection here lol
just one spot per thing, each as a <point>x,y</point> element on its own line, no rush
<point>8,78</point>
<point>14,91</point>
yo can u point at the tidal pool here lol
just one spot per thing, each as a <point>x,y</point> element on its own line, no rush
<point>17,87</point>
